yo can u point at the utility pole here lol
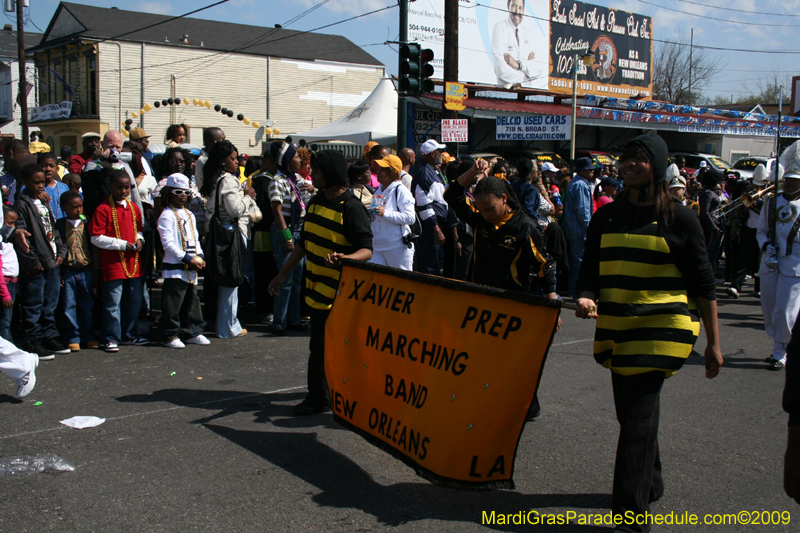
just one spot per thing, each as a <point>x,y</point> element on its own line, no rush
<point>22,98</point>
<point>691,49</point>
<point>402,101</point>
<point>450,51</point>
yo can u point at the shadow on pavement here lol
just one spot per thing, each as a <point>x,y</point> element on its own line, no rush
<point>344,484</point>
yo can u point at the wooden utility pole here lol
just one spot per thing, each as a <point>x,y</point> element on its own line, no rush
<point>22,98</point>
<point>450,51</point>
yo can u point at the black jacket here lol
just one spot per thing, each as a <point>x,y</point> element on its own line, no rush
<point>261,186</point>
<point>40,254</point>
<point>511,257</point>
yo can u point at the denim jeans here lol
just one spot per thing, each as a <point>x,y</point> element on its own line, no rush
<point>122,299</point>
<point>287,303</point>
<point>576,247</point>
<point>38,299</point>
<point>77,303</point>
<point>6,312</point>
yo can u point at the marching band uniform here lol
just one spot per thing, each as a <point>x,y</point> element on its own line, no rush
<point>780,283</point>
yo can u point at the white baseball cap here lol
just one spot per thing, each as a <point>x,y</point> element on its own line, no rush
<point>178,181</point>
<point>549,167</point>
<point>431,146</point>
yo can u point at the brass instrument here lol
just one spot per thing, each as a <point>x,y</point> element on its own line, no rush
<point>746,199</point>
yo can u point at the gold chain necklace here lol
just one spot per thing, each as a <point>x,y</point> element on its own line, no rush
<point>128,275</point>
<point>180,232</point>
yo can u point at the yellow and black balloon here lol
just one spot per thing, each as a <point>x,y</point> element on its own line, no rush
<point>197,102</point>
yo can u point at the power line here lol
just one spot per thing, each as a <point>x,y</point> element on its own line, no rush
<point>740,10</point>
<point>669,42</point>
<point>719,19</point>
<point>162,22</point>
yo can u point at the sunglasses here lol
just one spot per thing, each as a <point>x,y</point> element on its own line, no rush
<point>180,192</point>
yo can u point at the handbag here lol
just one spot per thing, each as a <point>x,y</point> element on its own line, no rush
<point>225,250</point>
<point>414,230</point>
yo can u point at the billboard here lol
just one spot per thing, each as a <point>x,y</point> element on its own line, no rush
<point>622,43</point>
<point>532,43</point>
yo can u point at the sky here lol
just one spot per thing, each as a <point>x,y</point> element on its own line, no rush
<point>713,26</point>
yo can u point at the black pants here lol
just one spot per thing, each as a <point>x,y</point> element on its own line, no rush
<point>746,258</point>
<point>637,471</point>
<point>180,309</point>
<point>426,252</point>
<point>318,392</point>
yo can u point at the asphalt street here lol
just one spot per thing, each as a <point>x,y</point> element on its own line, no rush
<point>202,439</point>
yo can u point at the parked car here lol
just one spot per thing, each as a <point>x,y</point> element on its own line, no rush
<point>747,165</point>
<point>693,160</point>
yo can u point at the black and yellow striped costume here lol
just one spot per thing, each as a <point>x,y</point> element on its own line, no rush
<point>339,225</point>
<point>646,279</point>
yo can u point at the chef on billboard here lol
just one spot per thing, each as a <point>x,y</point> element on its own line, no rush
<point>514,47</point>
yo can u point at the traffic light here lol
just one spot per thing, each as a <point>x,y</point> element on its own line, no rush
<point>410,69</point>
<point>426,71</point>
<point>415,70</point>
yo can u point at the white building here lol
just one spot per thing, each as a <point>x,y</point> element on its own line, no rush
<point>295,79</point>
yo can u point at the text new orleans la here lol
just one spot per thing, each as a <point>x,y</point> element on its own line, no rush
<point>414,350</point>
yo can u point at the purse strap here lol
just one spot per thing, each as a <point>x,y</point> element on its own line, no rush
<point>216,200</point>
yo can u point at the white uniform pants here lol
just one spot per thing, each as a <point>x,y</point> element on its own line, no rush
<point>780,302</point>
<point>14,362</point>
<point>401,257</point>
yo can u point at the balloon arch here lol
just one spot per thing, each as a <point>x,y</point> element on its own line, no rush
<point>197,102</point>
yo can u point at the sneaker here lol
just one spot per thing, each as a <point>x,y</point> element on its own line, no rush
<point>74,347</point>
<point>138,341</point>
<point>776,365</point>
<point>175,343</point>
<point>301,328</point>
<point>733,293</point>
<point>25,384</point>
<point>111,347</point>
<point>92,345</point>
<point>55,346</point>
<point>242,333</point>
<point>200,339</point>
<point>37,348</point>
<point>769,359</point>
<point>266,319</point>
<point>306,408</point>
<point>278,331</point>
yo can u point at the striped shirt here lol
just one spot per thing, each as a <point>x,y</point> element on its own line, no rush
<point>281,190</point>
<point>338,225</point>
<point>645,276</point>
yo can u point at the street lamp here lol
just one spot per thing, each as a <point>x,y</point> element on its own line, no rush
<point>587,60</point>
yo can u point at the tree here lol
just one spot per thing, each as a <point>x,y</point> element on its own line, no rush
<point>768,87</point>
<point>671,71</point>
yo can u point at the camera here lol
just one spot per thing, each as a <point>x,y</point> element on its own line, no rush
<point>115,156</point>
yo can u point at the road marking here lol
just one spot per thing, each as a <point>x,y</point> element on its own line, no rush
<point>572,342</point>
<point>25,433</point>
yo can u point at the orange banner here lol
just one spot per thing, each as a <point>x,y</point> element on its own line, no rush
<point>437,372</point>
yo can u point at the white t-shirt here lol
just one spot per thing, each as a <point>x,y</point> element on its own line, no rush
<point>146,189</point>
<point>10,263</point>
<point>44,211</point>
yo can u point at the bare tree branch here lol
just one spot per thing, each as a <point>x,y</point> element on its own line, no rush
<point>671,71</point>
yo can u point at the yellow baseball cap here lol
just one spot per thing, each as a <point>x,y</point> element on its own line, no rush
<point>390,161</point>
